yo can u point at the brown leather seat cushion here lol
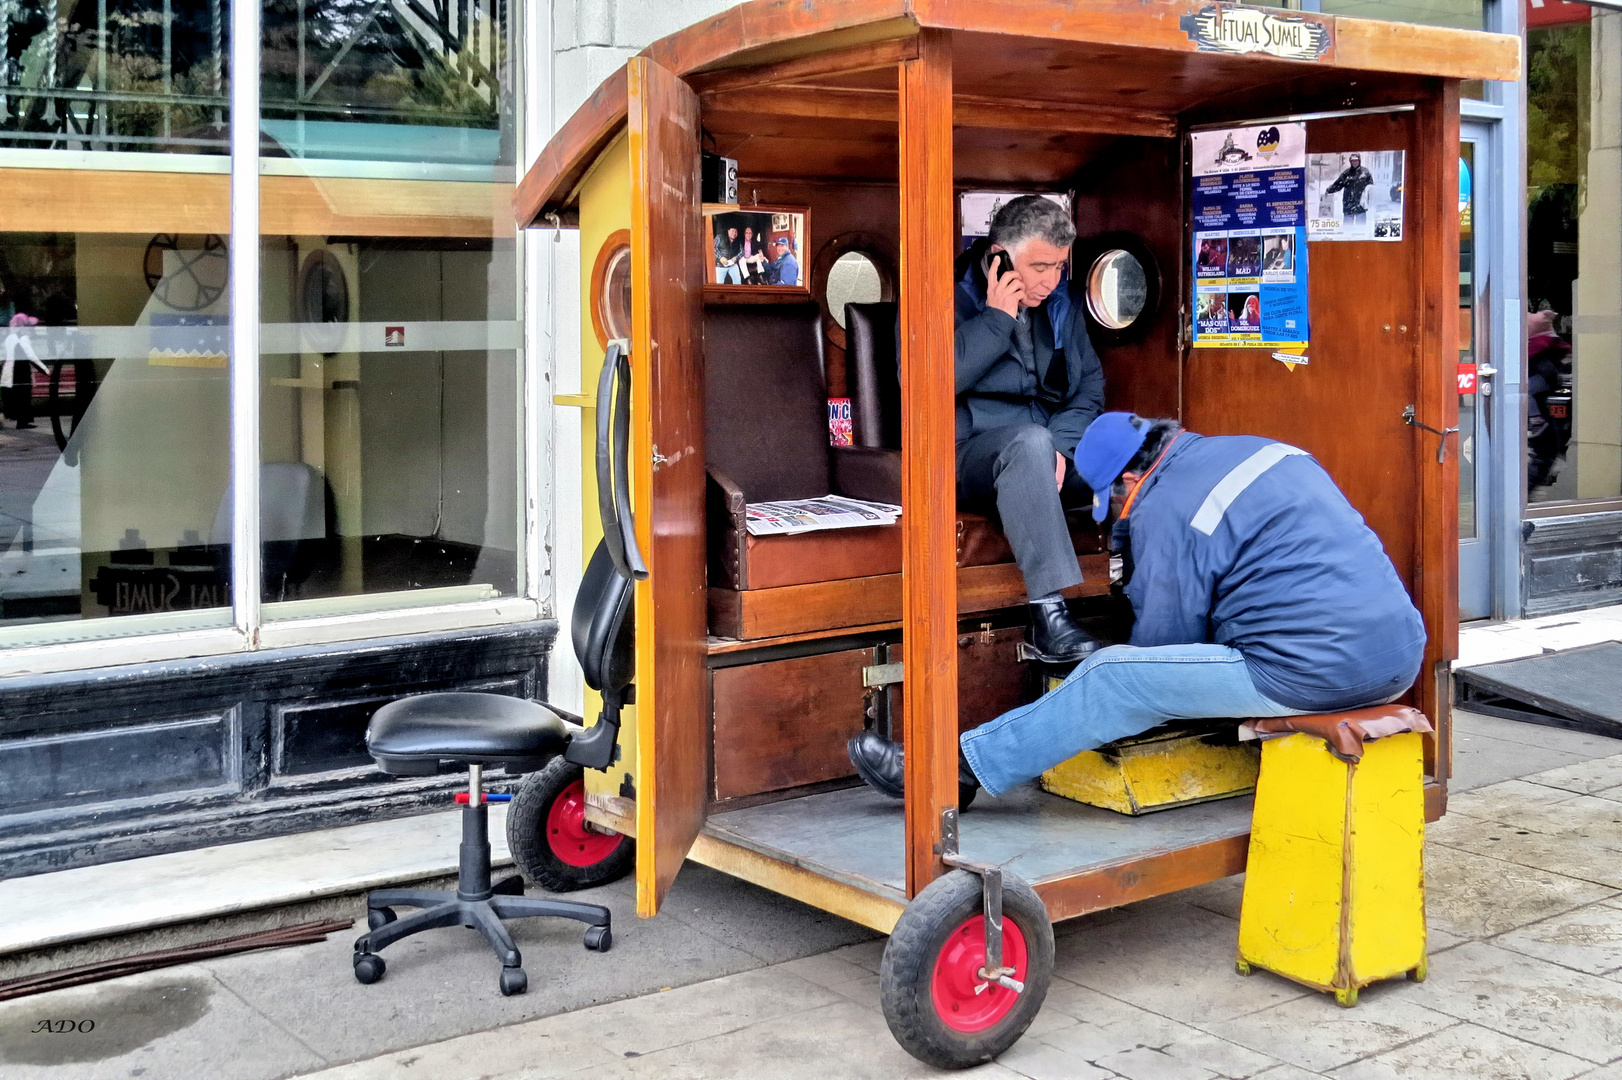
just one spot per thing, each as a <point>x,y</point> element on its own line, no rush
<point>775,561</point>
<point>1345,732</point>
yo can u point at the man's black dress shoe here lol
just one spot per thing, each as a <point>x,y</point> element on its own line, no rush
<point>1055,637</point>
<point>878,761</point>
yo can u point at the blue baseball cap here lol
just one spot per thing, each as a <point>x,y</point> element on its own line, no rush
<point>1105,449</point>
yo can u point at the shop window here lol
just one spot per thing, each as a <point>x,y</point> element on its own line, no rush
<point>115,451</point>
<point>1463,14</point>
<point>123,75</point>
<point>1573,259</point>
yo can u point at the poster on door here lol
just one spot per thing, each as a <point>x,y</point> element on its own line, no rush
<point>1250,250</point>
<point>1357,195</point>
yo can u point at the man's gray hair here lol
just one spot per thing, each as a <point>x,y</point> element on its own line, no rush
<point>1032,217</point>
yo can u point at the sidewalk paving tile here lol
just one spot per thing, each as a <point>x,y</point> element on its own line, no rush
<point>1464,1052</point>
<point>1588,939</point>
<point>1316,1034</point>
<point>1288,1072</point>
<point>1221,1056</point>
<point>1526,998</point>
<point>1580,838</point>
<point>1586,778</point>
<point>1105,1026</point>
<point>1473,896</point>
<point>1480,759</point>
<point>825,969</point>
<point>173,1024</point>
<point>1030,1057</point>
<point>1175,960</point>
<point>1537,736</point>
<point>519,1050</point>
<point>1145,1063</point>
<point>1504,797</point>
<point>842,1040</point>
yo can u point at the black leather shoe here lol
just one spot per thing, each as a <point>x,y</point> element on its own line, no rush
<point>878,762</point>
<point>1055,637</point>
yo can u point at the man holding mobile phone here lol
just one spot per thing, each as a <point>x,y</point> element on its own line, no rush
<point>1028,384</point>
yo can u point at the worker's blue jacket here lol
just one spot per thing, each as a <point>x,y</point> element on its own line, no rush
<point>1247,542</point>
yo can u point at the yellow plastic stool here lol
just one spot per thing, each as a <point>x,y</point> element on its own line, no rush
<point>1335,886</point>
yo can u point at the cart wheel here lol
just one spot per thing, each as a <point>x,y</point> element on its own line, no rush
<point>546,830</point>
<point>937,1006</point>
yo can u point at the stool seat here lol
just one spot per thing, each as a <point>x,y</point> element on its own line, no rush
<point>1345,731</point>
<point>411,736</point>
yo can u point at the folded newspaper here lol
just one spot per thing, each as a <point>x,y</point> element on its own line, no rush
<point>810,515</point>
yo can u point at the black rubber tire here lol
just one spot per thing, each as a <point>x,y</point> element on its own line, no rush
<point>906,974</point>
<point>513,981</point>
<point>526,835</point>
<point>379,917</point>
<point>599,938</point>
<point>369,967</point>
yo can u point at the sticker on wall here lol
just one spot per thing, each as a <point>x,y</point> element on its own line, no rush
<point>1250,252</point>
<point>394,337</point>
<point>1356,195</point>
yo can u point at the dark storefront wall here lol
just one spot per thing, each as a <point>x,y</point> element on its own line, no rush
<point>126,761</point>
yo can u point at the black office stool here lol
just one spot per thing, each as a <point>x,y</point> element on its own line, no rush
<point>410,737</point>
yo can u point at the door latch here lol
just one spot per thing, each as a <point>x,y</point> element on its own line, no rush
<point>1410,418</point>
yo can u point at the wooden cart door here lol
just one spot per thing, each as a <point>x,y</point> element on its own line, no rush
<point>667,469</point>
<point>1383,338</point>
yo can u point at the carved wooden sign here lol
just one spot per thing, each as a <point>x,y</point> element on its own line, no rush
<point>1221,28</point>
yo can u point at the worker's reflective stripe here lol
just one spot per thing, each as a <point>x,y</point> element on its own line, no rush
<point>1230,487</point>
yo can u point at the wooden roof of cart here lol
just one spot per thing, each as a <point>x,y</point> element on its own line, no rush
<point>1101,68</point>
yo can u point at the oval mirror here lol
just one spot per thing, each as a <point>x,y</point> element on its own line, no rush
<point>1117,289</point>
<point>614,300</point>
<point>853,279</point>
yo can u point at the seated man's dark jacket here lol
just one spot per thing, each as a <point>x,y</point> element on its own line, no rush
<point>995,387</point>
<point>1247,542</point>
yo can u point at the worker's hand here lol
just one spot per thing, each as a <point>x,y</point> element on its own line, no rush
<point>1006,293</point>
<point>1058,469</point>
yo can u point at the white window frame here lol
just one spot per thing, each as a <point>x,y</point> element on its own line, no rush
<point>137,639</point>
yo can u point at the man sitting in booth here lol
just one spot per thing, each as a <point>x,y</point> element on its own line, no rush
<point>1028,384</point>
<point>1256,589</point>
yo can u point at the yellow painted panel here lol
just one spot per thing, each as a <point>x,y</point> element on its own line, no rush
<point>1388,865</point>
<point>1142,775</point>
<point>605,208</point>
<point>1290,922</point>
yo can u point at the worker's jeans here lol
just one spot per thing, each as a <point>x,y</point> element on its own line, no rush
<point>1116,692</point>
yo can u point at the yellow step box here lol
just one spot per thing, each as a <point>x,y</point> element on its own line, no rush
<point>1335,885</point>
<point>1157,772</point>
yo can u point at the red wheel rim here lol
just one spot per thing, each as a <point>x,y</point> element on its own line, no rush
<point>957,977</point>
<point>566,832</point>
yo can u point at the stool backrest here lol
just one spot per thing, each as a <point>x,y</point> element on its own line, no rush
<point>602,628</point>
<point>873,372</point>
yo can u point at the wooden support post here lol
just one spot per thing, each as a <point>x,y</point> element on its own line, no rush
<point>929,460</point>
<point>1436,573</point>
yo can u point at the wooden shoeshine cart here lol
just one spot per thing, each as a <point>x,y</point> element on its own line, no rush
<point>875,115</point>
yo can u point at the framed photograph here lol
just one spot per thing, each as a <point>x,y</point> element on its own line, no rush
<point>757,252</point>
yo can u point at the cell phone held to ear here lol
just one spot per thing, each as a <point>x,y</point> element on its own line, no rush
<point>998,264</point>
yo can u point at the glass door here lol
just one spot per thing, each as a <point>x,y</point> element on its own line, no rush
<point>1476,371</point>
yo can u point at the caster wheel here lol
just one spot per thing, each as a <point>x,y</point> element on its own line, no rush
<point>1346,999</point>
<point>1243,968</point>
<point>938,1007</point>
<point>369,967</point>
<point>599,938</point>
<point>379,917</point>
<point>546,830</point>
<point>513,981</point>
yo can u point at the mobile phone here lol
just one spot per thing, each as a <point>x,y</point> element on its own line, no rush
<point>997,265</point>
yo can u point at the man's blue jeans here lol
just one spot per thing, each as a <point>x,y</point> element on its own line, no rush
<point>1116,692</point>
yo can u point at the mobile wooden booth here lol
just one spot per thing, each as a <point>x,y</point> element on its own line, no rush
<point>756,658</point>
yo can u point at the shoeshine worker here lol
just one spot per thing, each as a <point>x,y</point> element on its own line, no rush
<point>1257,591</point>
<point>1028,384</point>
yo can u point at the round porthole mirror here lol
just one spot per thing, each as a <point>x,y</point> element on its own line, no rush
<point>1120,286</point>
<point>853,279</point>
<point>611,289</point>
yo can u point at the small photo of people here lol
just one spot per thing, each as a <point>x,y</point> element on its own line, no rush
<point>1212,313</point>
<point>1244,312</point>
<point>1213,257</point>
<point>1244,256</point>
<point>1278,253</point>
<point>757,247</point>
